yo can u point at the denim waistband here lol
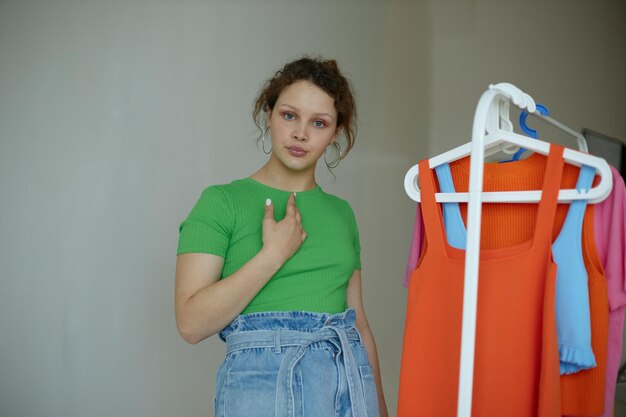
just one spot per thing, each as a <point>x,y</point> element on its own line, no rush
<point>304,321</point>
<point>291,333</point>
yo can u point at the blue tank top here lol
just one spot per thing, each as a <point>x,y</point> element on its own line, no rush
<point>572,292</point>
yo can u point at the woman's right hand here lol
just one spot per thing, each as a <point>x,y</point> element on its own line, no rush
<point>285,237</point>
<point>205,304</point>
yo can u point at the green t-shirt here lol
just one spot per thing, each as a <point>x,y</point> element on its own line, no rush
<point>227,221</point>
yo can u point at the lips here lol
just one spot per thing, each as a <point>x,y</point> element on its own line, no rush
<point>296,151</point>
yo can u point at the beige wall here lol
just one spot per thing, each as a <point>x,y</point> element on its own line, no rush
<point>114,115</point>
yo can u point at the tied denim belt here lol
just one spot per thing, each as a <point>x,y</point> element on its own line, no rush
<point>295,343</point>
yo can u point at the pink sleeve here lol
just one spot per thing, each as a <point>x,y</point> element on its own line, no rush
<point>416,246</point>
<point>610,234</point>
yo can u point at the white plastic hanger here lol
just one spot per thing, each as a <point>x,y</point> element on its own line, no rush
<point>495,135</point>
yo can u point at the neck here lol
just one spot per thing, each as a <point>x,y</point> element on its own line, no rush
<point>285,179</point>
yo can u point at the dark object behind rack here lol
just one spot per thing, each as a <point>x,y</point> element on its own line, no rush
<point>611,149</point>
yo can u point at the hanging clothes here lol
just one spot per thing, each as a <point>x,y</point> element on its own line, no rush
<point>590,392</point>
<point>580,282</point>
<point>572,288</point>
<point>516,358</point>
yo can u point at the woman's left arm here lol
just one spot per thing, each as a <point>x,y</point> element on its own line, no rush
<point>355,301</point>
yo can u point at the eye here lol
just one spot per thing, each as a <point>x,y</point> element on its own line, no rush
<point>288,116</point>
<point>319,123</point>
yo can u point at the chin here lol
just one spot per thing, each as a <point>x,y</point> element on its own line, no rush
<point>298,167</point>
<point>297,164</point>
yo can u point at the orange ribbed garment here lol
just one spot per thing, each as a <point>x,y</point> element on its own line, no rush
<point>582,393</point>
<point>516,372</point>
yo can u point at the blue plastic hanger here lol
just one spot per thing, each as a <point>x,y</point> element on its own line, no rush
<point>530,132</point>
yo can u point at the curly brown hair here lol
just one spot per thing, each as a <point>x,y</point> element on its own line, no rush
<point>323,73</point>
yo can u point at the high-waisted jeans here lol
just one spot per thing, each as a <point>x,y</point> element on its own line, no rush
<point>295,364</point>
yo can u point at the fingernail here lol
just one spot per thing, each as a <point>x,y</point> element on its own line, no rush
<point>294,194</point>
<point>268,202</point>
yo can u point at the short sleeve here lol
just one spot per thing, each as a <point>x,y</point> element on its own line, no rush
<point>208,227</point>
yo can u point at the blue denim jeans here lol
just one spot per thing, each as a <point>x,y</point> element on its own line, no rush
<point>295,364</point>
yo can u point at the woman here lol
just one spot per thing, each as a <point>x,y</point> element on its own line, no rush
<point>284,294</point>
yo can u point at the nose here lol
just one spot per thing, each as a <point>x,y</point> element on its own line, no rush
<point>299,132</point>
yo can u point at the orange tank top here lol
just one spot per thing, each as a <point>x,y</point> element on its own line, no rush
<point>516,371</point>
<point>582,393</point>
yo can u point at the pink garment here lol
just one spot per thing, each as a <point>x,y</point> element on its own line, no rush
<point>613,356</point>
<point>610,236</point>
<point>416,246</point>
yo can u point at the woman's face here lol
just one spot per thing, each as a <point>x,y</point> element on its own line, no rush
<point>302,124</point>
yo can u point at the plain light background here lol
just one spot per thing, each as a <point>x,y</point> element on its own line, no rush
<point>114,115</point>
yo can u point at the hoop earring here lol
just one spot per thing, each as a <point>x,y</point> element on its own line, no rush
<point>263,142</point>
<point>335,162</point>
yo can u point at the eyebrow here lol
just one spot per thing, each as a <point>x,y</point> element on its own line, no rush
<point>316,114</point>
